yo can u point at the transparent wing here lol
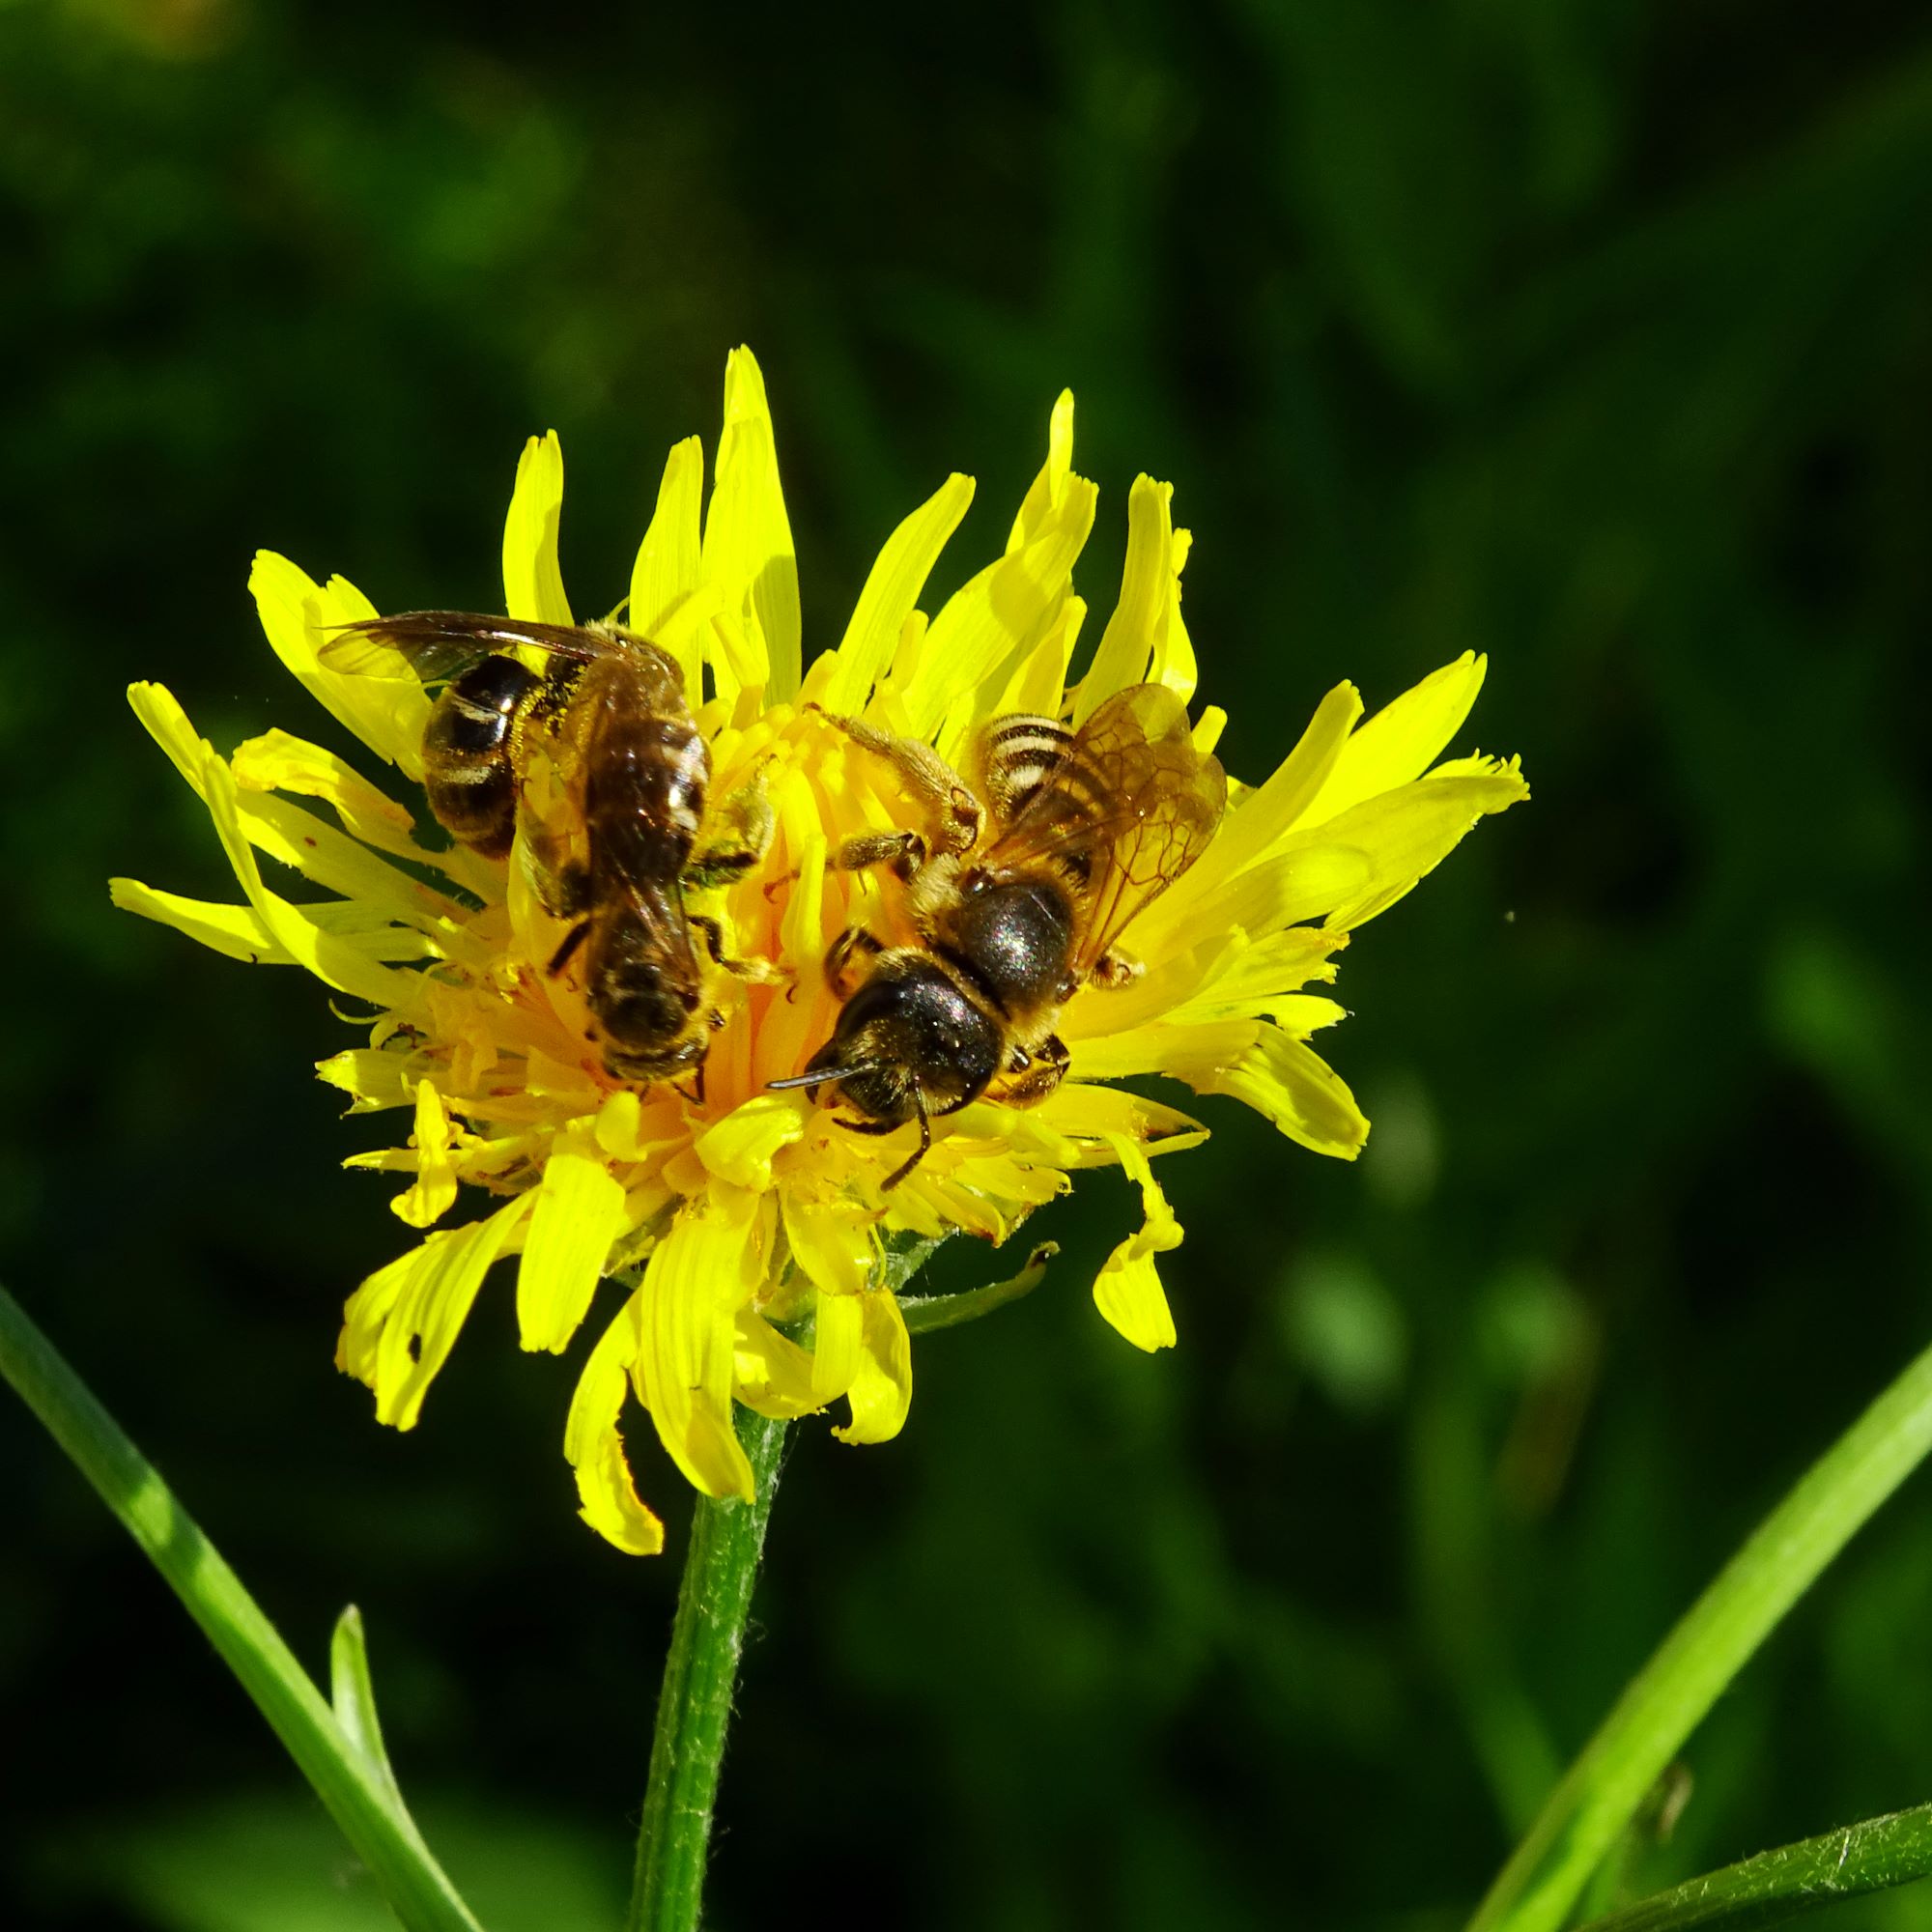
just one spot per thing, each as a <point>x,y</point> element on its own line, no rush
<point>1131,806</point>
<point>665,929</point>
<point>439,645</point>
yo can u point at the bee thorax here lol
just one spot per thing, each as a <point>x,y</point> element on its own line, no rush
<point>1011,939</point>
<point>643,796</point>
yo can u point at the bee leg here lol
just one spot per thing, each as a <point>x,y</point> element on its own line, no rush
<point>562,880</point>
<point>714,867</point>
<point>1114,970</point>
<point>955,812</point>
<point>760,972</point>
<point>747,823</point>
<point>841,974</point>
<point>571,940</point>
<point>904,851</point>
<point>1037,1074</point>
<point>919,1153</point>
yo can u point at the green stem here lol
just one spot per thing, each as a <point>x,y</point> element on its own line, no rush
<point>1773,1886</point>
<point>1603,1789</point>
<point>695,1700</point>
<point>352,1786</point>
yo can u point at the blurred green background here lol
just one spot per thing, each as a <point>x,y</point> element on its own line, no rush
<point>1594,335</point>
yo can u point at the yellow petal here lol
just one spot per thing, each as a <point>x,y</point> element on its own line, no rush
<point>666,571</point>
<point>798,1023</point>
<point>235,930</point>
<point>373,1079</point>
<point>887,709</point>
<point>835,1249</point>
<point>735,649</point>
<point>1087,1113</point>
<point>1039,683</point>
<point>880,1391</point>
<point>748,538</point>
<point>739,1147</point>
<point>341,964</point>
<point>688,631</point>
<point>999,612</point>
<point>433,1193</point>
<point>580,1211</point>
<point>1250,830</point>
<point>1128,1291</point>
<point>1273,1072</point>
<point>1174,662</point>
<point>891,593</point>
<point>284,831</point>
<point>167,725</point>
<point>1219,978</point>
<point>699,1275</point>
<point>1400,739</point>
<point>772,1373</point>
<point>837,1333</point>
<point>608,1496</point>
<point>533,581</point>
<point>1049,487</point>
<point>625,1131</point>
<point>275,762</point>
<point>298,617</point>
<point>400,1325</point>
<point>1148,589</point>
<point>1405,833</point>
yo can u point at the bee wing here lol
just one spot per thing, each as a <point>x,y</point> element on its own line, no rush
<point>662,911</point>
<point>439,645</point>
<point>1152,804</point>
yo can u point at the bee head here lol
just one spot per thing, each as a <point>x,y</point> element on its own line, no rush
<point>910,1034</point>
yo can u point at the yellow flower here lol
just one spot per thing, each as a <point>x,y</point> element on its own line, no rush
<point>748,1229</point>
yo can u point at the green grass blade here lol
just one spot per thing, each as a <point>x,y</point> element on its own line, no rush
<point>349,1784</point>
<point>353,1695</point>
<point>1603,1789</point>
<point>1776,1886</point>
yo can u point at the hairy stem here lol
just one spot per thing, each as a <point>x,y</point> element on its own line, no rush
<point>694,1701</point>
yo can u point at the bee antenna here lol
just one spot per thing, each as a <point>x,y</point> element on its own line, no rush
<point>824,1076</point>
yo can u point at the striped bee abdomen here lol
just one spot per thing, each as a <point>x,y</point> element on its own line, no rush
<point>467,775</point>
<point>1017,757</point>
<point>1031,768</point>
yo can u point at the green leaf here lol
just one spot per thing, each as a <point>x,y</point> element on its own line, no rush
<point>1779,1885</point>
<point>352,1692</point>
<point>924,1313</point>
<point>1597,1798</point>
<point>360,1797</point>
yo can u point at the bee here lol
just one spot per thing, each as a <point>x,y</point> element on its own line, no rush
<point>1018,891</point>
<point>603,731</point>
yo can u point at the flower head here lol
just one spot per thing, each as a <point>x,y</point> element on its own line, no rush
<point>747,1226</point>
